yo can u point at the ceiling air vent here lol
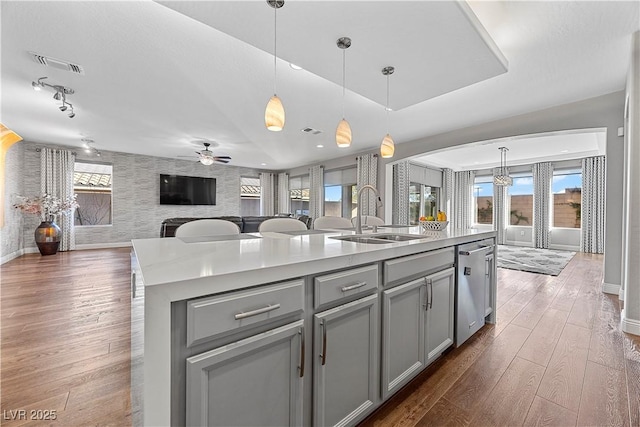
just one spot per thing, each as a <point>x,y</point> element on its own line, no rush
<point>311,131</point>
<point>56,63</point>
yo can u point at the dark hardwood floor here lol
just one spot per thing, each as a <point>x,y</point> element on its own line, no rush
<point>556,355</point>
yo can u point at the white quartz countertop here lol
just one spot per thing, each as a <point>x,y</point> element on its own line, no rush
<point>199,266</point>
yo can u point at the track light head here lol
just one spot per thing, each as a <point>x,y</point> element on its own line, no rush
<point>63,107</point>
<point>72,114</point>
<point>36,86</point>
<point>57,96</point>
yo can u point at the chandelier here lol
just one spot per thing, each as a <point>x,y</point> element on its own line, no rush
<point>502,178</point>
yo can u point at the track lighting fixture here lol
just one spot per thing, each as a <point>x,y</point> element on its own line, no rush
<point>60,94</point>
<point>89,148</point>
<point>274,113</point>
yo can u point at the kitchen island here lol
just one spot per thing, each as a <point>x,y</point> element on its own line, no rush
<point>225,313</point>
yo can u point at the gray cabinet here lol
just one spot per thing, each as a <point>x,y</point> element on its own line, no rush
<point>439,312</point>
<point>345,360</point>
<point>256,381</point>
<point>403,334</point>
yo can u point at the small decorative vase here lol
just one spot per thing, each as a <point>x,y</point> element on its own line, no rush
<point>47,237</point>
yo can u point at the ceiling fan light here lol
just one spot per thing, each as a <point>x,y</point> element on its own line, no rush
<point>274,114</point>
<point>206,160</point>
<point>343,134</point>
<point>387,147</point>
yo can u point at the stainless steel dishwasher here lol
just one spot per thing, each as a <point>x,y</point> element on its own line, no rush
<point>472,281</point>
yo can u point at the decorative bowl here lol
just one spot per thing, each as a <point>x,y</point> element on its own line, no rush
<point>433,225</point>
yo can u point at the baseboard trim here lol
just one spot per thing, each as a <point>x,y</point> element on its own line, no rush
<point>621,294</point>
<point>610,288</point>
<point>630,326</point>
<point>87,246</point>
<point>565,248</point>
<point>11,256</point>
<point>522,244</point>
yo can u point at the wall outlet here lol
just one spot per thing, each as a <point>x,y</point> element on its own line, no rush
<point>521,233</point>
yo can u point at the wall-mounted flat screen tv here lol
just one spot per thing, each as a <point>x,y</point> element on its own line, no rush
<point>187,190</point>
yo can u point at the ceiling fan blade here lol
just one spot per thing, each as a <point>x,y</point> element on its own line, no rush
<point>221,160</point>
<point>222,157</point>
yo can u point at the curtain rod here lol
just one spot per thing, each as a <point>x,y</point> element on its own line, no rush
<point>38,149</point>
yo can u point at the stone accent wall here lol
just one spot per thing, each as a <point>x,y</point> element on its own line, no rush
<point>11,233</point>
<point>137,212</point>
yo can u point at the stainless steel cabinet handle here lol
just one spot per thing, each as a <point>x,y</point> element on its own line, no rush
<point>484,248</point>
<point>430,281</point>
<point>301,352</point>
<point>324,343</point>
<point>426,289</point>
<point>352,287</point>
<point>258,311</point>
<point>133,285</point>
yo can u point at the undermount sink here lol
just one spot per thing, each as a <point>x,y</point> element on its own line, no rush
<point>377,238</point>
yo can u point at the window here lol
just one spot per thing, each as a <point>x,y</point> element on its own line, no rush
<point>249,196</point>
<point>423,201</point>
<point>483,192</point>
<point>92,184</point>
<point>299,194</point>
<point>567,198</point>
<point>340,200</point>
<point>521,200</point>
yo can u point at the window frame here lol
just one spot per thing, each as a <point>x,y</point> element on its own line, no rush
<point>552,218</point>
<point>77,189</point>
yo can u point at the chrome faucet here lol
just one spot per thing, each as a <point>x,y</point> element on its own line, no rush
<point>359,217</point>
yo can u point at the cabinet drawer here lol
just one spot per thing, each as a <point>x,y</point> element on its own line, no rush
<point>211,316</point>
<point>413,266</point>
<point>333,287</point>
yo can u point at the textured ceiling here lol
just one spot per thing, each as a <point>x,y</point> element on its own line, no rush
<point>158,82</point>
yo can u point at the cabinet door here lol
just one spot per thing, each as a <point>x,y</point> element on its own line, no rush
<point>403,334</point>
<point>345,362</point>
<point>440,312</point>
<point>488,283</point>
<point>253,382</point>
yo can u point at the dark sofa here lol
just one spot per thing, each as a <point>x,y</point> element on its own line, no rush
<point>247,224</point>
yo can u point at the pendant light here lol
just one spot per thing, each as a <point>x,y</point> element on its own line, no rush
<point>387,147</point>
<point>274,113</point>
<point>343,131</point>
<point>502,178</point>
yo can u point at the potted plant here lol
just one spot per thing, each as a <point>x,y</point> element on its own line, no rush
<point>47,207</point>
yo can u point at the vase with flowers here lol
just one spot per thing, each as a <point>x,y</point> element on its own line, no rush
<point>47,207</point>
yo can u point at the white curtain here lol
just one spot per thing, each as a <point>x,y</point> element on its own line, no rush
<point>542,178</point>
<point>501,208</point>
<point>367,174</point>
<point>56,179</point>
<point>462,212</point>
<point>593,204</point>
<point>446,195</point>
<point>400,211</point>
<point>267,194</point>
<point>316,191</point>
<point>284,200</point>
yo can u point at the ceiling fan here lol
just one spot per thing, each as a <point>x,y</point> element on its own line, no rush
<point>207,158</point>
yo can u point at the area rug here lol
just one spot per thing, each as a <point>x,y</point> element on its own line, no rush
<point>543,261</point>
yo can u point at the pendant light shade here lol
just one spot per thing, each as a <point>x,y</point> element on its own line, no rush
<point>343,131</point>
<point>274,113</point>
<point>387,147</point>
<point>343,134</point>
<point>502,178</point>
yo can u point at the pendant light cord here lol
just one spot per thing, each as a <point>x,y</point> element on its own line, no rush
<point>387,107</point>
<point>275,47</point>
<point>343,78</point>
